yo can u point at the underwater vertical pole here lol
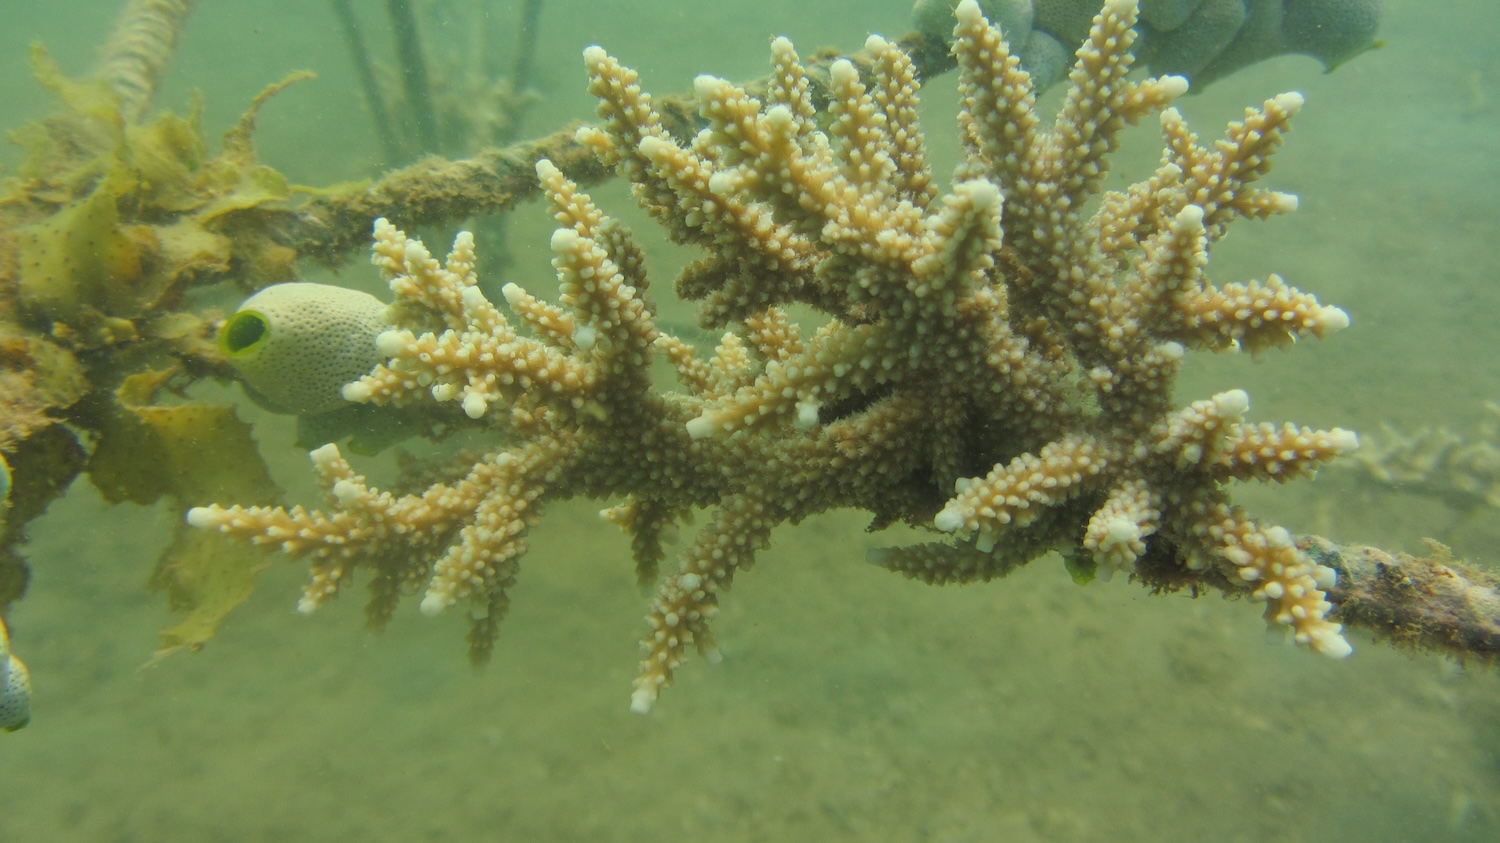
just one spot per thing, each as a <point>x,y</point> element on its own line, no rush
<point>414,81</point>
<point>521,72</point>
<point>365,71</point>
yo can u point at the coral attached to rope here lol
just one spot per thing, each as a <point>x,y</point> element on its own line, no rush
<point>996,362</point>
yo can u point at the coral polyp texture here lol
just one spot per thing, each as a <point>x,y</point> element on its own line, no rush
<point>994,361</point>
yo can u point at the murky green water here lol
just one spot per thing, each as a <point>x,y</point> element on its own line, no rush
<point>851,705</point>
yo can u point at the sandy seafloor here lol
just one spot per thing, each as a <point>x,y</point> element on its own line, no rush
<point>852,704</point>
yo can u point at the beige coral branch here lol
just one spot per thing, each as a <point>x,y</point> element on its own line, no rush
<point>993,361</point>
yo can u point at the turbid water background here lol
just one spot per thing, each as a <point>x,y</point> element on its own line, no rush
<point>851,705</point>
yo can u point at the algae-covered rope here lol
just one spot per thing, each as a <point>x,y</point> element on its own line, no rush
<point>439,191</point>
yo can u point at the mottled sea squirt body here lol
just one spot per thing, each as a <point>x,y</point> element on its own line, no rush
<point>15,687</point>
<point>297,344</point>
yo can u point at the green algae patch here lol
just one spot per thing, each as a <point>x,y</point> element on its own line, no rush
<point>112,220</point>
<point>85,258</point>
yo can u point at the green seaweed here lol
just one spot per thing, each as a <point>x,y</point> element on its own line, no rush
<point>184,453</point>
<point>112,220</point>
<point>84,260</point>
<point>106,223</point>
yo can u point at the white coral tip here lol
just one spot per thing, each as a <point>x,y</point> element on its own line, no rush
<point>1232,404</point>
<point>594,55</point>
<point>564,240</point>
<point>807,415</point>
<point>1332,319</point>
<point>1189,219</point>
<point>357,392</point>
<point>473,298</point>
<point>842,73</point>
<point>390,343</point>
<point>967,12</point>
<point>641,701</point>
<point>1120,531</point>
<point>654,147</point>
<point>433,604</point>
<point>346,492</point>
<point>1325,577</point>
<point>1343,441</point>
<point>700,428</point>
<point>982,194</point>
<point>475,405</point>
<point>708,87</point>
<point>585,336</point>
<point>416,255</point>
<point>950,519</point>
<point>722,183</point>
<point>202,516</point>
<point>1331,644</point>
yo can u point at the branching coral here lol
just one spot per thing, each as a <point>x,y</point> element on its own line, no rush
<point>996,361</point>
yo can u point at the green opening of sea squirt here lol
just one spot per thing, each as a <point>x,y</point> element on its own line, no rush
<point>244,332</point>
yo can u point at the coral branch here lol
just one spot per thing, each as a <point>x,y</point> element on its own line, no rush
<point>994,361</point>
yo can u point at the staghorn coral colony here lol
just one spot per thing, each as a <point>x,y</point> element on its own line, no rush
<point>994,363</point>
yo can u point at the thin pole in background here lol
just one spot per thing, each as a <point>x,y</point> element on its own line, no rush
<point>365,71</point>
